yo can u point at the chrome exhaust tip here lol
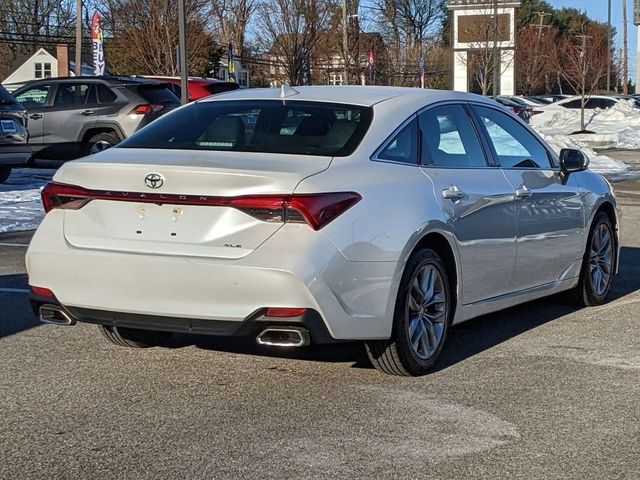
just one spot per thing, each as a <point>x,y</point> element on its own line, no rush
<point>289,337</point>
<point>55,315</point>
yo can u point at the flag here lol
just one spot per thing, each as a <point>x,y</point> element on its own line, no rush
<point>371,64</point>
<point>97,40</point>
<point>421,70</point>
<point>230,62</point>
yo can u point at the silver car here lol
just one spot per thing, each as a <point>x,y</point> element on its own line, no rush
<point>322,214</point>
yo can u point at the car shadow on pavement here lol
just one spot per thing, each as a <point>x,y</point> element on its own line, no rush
<point>465,340</point>
<point>15,310</point>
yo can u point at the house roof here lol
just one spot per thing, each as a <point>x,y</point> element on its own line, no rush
<point>87,59</point>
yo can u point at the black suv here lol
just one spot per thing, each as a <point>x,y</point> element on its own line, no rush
<point>77,116</point>
<point>13,134</point>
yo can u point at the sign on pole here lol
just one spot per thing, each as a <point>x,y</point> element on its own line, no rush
<point>97,40</point>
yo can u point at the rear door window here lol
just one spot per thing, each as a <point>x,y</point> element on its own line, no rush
<point>73,95</point>
<point>270,126</point>
<point>449,140</point>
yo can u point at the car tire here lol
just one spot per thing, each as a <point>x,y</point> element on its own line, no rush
<point>5,172</point>
<point>99,142</point>
<point>599,256</point>
<point>133,337</point>
<point>419,328</point>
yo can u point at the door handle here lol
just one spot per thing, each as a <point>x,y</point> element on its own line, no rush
<point>88,113</point>
<point>523,192</point>
<point>453,193</point>
<point>35,116</point>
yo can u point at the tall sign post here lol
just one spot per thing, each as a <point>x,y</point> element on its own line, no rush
<point>78,38</point>
<point>182,60</point>
<point>484,43</point>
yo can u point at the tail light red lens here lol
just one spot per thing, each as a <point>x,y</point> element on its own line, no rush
<point>147,109</point>
<point>57,195</point>
<point>285,312</point>
<point>317,210</point>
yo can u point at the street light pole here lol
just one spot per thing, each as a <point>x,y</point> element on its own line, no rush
<point>79,38</point>
<point>345,42</point>
<point>182,54</point>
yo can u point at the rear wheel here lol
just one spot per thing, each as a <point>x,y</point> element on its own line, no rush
<point>100,142</point>
<point>4,174</point>
<point>421,319</point>
<point>598,265</point>
<point>134,338</point>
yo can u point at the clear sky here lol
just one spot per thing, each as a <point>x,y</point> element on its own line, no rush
<point>597,9</point>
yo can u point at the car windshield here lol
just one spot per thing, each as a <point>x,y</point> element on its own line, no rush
<point>270,126</point>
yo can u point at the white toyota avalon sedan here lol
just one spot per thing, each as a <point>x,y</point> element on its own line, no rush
<point>319,215</point>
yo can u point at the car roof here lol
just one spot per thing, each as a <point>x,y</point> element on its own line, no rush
<point>350,95</point>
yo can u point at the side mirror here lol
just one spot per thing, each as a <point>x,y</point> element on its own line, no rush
<point>572,160</point>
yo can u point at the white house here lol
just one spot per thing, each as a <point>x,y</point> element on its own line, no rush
<point>44,63</point>
<point>243,74</point>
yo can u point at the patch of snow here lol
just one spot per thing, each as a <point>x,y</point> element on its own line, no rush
<point>20,204</point>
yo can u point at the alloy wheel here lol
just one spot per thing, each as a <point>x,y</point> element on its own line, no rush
<point>601,259</point>
<point>99,146</point>
<point>426,311</point>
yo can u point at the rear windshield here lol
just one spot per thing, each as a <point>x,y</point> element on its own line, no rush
<point>159,94</point>
<point>270,126</point>
<point>214,88</point>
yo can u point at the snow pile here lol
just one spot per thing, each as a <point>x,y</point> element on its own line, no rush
<point>598,163</point>
<point>20,204</point>
<point>616,127</point>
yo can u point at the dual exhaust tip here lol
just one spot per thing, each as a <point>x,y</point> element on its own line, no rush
<point>288,337</point>
<point>55,315</point>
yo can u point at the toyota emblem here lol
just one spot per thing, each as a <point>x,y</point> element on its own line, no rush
<point>154,180</point>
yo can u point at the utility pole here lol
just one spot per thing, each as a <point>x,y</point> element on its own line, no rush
<point>625,51</point>
<point>541,26</point>
<point>609,48</point>
<point>345,42</point>
<point>496,61</point>
<point>182,54</point>
<point>79,38</point>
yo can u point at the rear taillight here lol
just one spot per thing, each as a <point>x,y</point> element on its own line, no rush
<point>57,195</point>
<point>147,109</point>
<point>41,291</point>
<point>317,210</point>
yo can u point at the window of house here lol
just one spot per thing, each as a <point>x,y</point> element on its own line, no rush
<point>42,70</point>
<point>335,79</point>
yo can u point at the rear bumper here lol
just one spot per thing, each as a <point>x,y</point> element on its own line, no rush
<point>249,327</point>
<point>295,268</point>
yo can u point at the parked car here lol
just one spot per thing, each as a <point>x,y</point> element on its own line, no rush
<point>546,113</point>
<point>378,214</point>
<point>518,108</point>
<point>74,117</point>
<point>553,97</point>
<point>13,134</point>
<point>198,87</point>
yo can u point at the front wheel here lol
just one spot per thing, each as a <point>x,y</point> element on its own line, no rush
<point>5,172</point>
<point>421,319</point>
<point>133,337</point>
<point>598,265</point>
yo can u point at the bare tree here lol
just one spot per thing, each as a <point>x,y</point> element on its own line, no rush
<point>145,36</point>
<point>406,24</point>
<point>290,30</point>
<point>581,59</point>
<point>232,19</point>
<point>533,65</point>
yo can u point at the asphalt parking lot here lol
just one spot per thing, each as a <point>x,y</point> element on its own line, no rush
<point>540,391</point>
